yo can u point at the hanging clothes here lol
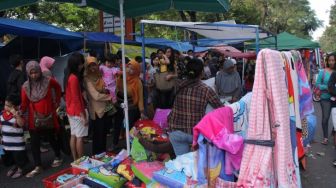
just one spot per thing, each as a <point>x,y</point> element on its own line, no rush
<point>241,110</point>
<point>295,80</point>
<point>217,127</point>
<point>211,163</point>
<point>290,88</point>
<point>305,94</point>
<point>269,89</point>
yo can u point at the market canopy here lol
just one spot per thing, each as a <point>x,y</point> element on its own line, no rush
<point>134,8</point>
<point>33,28</point>
<point>224,30</point>
<point>177,45</point>
<point>104,37</point>
<point>284,41</point>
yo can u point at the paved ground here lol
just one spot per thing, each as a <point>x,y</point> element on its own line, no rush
<point>320,172</point>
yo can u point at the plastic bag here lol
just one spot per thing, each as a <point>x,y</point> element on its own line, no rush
<point>138,152</point>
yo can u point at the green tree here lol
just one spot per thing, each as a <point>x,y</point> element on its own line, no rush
<point>328,38</point>
<point>294,16</point>
<point>65,15</point>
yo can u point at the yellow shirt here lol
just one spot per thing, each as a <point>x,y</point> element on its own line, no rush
<point>163,67</point>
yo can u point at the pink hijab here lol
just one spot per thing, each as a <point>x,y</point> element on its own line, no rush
<point>46,63</point>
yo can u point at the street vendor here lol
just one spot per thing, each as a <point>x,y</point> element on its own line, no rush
<point>191,99</point>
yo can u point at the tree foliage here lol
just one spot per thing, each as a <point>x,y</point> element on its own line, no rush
<point>294,16</point>
<point>65,15</point>
<point>328,38</point>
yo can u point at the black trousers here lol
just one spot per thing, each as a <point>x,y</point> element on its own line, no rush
<point>19,158</point>
<point>52,138</point>
<point>163,98</point>
<point>99,134</point>
<point>133,116</point>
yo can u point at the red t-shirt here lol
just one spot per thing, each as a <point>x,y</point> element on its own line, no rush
<point>73,97</point>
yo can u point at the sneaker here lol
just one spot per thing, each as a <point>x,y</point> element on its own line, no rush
<point>57,162</point>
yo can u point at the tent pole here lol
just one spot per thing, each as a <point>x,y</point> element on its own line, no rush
<point>257,40</point>
<point>38,48</point>
<point>125,104</point>
<point>59,46</point>
<point>144,65</point>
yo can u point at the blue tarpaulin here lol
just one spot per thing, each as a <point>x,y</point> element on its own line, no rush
<point>105,37</point>
<point>33,28</point>
<point>162,43</point>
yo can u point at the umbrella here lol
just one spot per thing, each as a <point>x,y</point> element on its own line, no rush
<point>133,8</point>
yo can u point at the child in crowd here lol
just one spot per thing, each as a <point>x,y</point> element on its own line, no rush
<point>110,71</point>
<point>11,123</point>
<point>150,71</point>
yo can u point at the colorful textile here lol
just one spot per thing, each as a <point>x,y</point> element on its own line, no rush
<point>144,170</point>
<point>294,112</point>
<point>211,163</point>
<point>257,167</point>
<point>190,105</point>
<point>217,127</point>
<point>305,94</point>
<point>293,93</point>
<point>225,184</point>
<point>109,77</point>
<point>161,117</point>
<point>174,179</point>
<point>186,163</point>
<point>241,110</point>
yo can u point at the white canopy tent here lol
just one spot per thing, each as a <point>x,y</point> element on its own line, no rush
<point>224,30</point>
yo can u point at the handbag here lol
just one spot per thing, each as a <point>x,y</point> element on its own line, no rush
<point>43,122</point>
<point>316,90</point>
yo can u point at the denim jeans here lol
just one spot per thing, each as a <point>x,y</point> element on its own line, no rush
<point>326,109</point>
<point>181,142</point>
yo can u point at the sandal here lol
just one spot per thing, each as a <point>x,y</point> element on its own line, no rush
<point>11,171</point>
<point>33,173</point>
<point>17,174</point>
<point>57,162</point>
<point>325,141</point>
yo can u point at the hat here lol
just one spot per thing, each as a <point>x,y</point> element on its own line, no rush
<point>90,60</point>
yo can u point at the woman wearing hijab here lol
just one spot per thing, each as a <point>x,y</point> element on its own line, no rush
<point>37,96</point>
<point>134,95</point>
<point>46,64</point>
<point>228,82</point>
<point>98,100</point>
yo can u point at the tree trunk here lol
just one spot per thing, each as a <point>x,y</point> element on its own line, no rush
<point>183,16</point>
<point>192,15</point>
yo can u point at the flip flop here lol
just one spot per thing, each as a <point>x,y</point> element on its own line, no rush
<point>11,171</point>
<point>325,142</point>
<point>33,173</point>
<point>17,174</point>
<point>57,163</point>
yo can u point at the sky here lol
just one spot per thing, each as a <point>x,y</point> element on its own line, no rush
<point>322,8</point>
